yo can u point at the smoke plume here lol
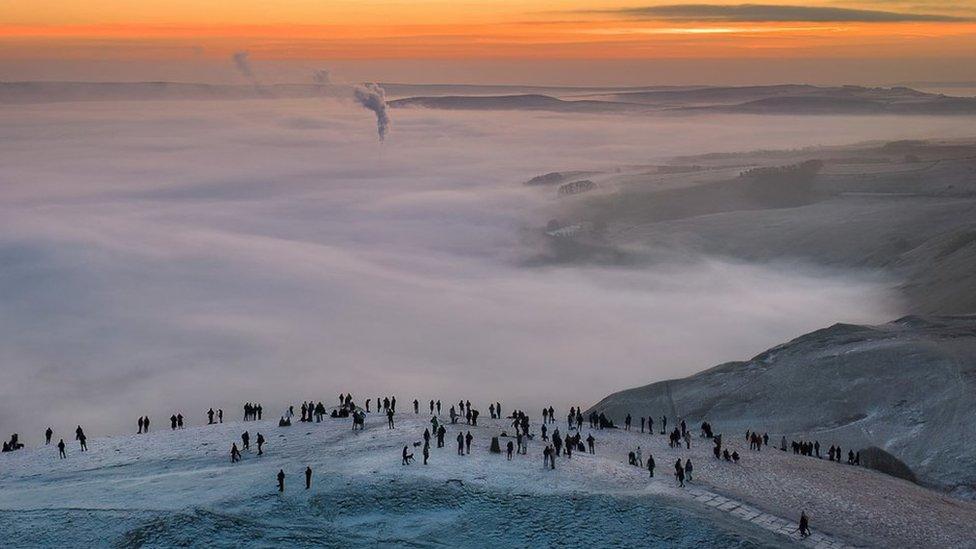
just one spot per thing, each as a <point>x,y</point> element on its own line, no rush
<point>322,76</point>
<point>243,63</point>
<point>373,97</point>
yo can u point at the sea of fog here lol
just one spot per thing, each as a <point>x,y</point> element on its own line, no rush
<point>177,256</point>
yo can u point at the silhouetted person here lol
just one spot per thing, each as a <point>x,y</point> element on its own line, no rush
<point>260,441</point>
<point>688,469</point>
<point>389,417</point>
<point>210,416</point>
<point>590,443</point>
<point>804,524</point>
<point>47,436</point>
<point>61,451</point>
<point>141,423</point>
<point>246,440</point>
<point>281,480</point>
<point>467,442</point>
<point>426,452</point>
<point>650,464</point>
<point>308,478</point>
<point>220,415</point>
<point>416,406</point>
<point>509,448</point>
<point>179,421</point>
<point>407,457</point>
<point>235,454</point>
<point>460,441</point>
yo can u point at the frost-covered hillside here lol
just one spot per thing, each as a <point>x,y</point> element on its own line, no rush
<point>907,387</point>
<point>179,488</point>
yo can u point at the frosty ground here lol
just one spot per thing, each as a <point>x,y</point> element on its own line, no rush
<point>179,488</point>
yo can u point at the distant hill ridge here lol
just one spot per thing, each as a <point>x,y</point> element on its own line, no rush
<point>905,387</point>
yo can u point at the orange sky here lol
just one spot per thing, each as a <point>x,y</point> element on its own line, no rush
<point>101,30</point>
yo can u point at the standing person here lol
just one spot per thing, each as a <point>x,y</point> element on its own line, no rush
<point>416,406</point>
<point>235,454</point>
<point>308,477</point>
<point>246,440</point>
<point>281,480</point>
<point>467,442</point>
<point>627,423</point>
<point>460,441</point>
<point>426,452</point>
<point>260,440</point>
<point>172,422</point>
<point>47,436</point>
<point>140,425</point>
<point>389,417</point>
<point>438,403</point>
<point>643,421</point>
<point>220,415</point>
<point>804,524</point>
<point>210,416</point>
<point>688,469</point>
<point>510,447</point>
<point>431,406</point>
<point>441,431</point>
<point>590,443</point>
<point>650,464</point>
<point>61,451</point>
<point>179,421</point>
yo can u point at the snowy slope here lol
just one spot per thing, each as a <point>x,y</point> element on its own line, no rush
<point>179,488</point>
<point>907,387</point>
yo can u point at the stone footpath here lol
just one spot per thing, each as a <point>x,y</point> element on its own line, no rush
<point>765,520</point>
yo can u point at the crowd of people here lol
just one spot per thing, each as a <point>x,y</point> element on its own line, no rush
<point>555,444</point>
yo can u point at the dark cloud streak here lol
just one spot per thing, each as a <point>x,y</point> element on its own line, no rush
<point>775,13</point>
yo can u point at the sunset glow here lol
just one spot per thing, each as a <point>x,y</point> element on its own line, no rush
<point>436,29</point>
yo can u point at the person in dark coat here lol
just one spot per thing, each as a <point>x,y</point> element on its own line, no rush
<point>281,480</point>
<point>407,457</point>
<point>308,478</point>
<point>47,436</point>
<point>61,451</point>
<point>650,465</point>
<point>804,524</point>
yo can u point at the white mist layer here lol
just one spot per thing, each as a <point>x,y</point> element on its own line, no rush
<point>176,256</point>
